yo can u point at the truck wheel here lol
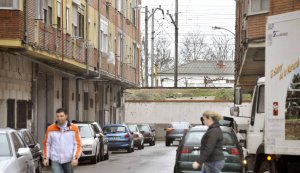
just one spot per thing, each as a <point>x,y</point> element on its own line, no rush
<point>267,167</point>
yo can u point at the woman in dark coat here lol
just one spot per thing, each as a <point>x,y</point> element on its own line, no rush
<point>211,153</point>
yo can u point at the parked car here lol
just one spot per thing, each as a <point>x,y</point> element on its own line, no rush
<point>148,132</point>
<point>15,156</point>
<point>228,122</point>
<point>176,131</point>
<point>138,137</point>
<point>104,152</point>
<point>90,142</point>
<point>35,148</point>
<point>189,151</point>
<point>119,137</point>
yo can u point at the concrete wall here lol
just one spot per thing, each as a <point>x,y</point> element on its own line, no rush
<point>160,114</point>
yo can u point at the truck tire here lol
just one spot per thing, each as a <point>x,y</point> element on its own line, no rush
<point>267,167</point>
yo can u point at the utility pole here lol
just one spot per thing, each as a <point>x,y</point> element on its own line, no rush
<point>152,49</point>
<point>146,46</point>
<point>176,45</point>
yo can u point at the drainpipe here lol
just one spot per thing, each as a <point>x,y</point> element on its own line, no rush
<point>87,41</point>
<point>25,6</point>
<point>62,31</point>
<point>123,36</point>
<point>99,41</point>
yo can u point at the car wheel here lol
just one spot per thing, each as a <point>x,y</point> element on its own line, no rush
<point>168,143</point>
<point>39,168</point>
<point>153,142</point>
<point>106,156</point>
<point>102,154</point>
<point>95,158</point>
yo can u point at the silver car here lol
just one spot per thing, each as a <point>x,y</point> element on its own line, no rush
<point>90,143</point>
<point>15,156</point>
<point>138,137</point>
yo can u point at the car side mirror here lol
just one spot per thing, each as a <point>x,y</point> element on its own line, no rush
<point>97,135</point>
<point>235,111</point>
<point>153,130</point>
<point>24,152</point>
<point>238,96</point>
<point>243,143</point>
<point>31,146</point>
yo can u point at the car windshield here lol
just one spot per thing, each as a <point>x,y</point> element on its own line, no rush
<point>194,138</point>
<point>4,145</point>
<point>132,128</point>
<point>226,122</point>
<point>85,131</point>
<point>114,129</point>
<point>180,125</point>
<point>144,128</point>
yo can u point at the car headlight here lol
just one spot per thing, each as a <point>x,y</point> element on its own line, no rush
<point>87,146</point>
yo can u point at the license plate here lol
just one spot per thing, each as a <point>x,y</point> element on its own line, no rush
<point>114,138</point>
<point>177,139</point>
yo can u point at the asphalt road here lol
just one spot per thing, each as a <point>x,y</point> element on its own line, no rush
<point>156,159</point>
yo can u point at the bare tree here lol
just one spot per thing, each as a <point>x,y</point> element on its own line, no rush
<point>221,49</point>
<point>194,47</point>
<point>163,54</point>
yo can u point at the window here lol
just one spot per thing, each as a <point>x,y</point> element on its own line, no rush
<point>258,6</point>
<point>118,5</point>
<point>253,111</point>
<point>85,131</point>
<point>9,4</point>
<point>11,120</point>
<point>47,12</point>
<point>16,141</point>
<point>261,100</point>
<point>38,9</point>
<point>81,25</point>
<point>104,36</point>
<point>58,10</point>
<point>67,19</point>
<point>115,129</point>
<point>4,145</point>
<point>75,20</point>
<point>132,128</point>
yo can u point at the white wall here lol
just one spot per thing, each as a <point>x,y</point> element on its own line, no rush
<point>166,112</point>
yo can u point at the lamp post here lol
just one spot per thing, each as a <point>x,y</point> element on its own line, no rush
<point>146,43</point>
<point>235,56</point>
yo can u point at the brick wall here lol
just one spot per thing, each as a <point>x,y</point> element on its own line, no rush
<point>256,26</point>
<point>11,24</point>
<point>283,6</point>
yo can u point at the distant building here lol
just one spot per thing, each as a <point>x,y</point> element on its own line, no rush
<point>200,74</point>
<point>251,18</point>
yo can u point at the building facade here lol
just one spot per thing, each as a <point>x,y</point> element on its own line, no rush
<point>251,18</point>
<point>76,54</point>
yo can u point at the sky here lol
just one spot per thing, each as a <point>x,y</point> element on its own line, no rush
<point>194,16</point>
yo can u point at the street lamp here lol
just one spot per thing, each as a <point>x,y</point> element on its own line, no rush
<point>235,56</point>
<point>218,27</point>
<point>146,40</point>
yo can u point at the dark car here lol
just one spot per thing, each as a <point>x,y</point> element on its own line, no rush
<point>119,137</point>
<point>104,152</point>
<point>35,148</point>
<point>176,131</point>
<point>148,132</point>
<point>189,151</point>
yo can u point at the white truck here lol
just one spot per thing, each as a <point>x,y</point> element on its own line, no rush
<point>273,136</point>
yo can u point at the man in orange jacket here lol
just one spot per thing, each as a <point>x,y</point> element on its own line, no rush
<point>62,144</point>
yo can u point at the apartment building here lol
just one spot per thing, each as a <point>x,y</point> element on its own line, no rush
<point>76,54</point>
<point>251,18</point>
